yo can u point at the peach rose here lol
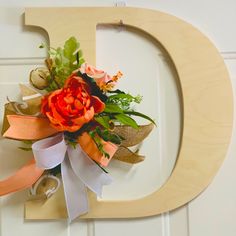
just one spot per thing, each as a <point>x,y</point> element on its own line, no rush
<point>69,108</point>
<point>103,80</point>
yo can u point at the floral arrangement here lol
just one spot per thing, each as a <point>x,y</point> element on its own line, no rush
<point>74,120</point>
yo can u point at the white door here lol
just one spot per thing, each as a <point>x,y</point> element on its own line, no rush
<point>214,211</point>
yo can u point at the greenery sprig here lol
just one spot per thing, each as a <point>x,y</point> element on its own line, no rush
<point>62,62</point>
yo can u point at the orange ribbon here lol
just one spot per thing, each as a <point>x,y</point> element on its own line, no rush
<point>28,128</point>
<point>22,179</point>
<point>88,145</point>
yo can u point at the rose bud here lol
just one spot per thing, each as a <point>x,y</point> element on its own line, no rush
<point>39,78</point>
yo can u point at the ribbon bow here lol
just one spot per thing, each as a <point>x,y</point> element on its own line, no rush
<point>77,169</point>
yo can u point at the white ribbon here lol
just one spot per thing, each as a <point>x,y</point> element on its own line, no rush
<point>77,169</point>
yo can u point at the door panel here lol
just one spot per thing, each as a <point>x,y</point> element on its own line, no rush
<point>212,213</point>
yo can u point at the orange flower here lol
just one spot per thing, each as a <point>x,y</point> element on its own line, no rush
<point>117,76</point>
<point>69,108</point>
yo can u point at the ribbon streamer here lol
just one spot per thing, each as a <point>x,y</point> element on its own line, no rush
<point>22,179</point>
<point>131,137</point>
<point>77,169</point>
<point>28,128</point>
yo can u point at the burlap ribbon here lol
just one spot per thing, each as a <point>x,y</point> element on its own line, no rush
<point>131,137</point>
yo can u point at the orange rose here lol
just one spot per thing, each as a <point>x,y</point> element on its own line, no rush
<point>69,108</point>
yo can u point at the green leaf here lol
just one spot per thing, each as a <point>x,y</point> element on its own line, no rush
<point>103,120</point>
<point>124,100</point>
<point>126,120</point>
<point>135,113</point>
<point>97,140</point>
<point>106,135</point>
<point>121,96</point>
<point>112,108</point>
<point>114,138</point>
<point>70,47</point>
